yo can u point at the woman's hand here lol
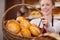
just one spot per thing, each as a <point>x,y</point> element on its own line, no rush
<point>45,21</point>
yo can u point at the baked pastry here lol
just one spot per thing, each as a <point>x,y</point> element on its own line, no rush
<point>25,24</point>
<point>13,26</point>
<point>34,30</point>
<point>26,32</point>
<point>35,14</point>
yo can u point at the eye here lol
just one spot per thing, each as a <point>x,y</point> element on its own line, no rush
<point>42,5</point>
<point>47,4</point>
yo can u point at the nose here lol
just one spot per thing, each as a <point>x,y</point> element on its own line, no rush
<point>44,6</point>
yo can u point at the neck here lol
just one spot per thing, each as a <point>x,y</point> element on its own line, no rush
<point>49,17</point>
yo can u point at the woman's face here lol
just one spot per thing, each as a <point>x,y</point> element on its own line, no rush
<point>46,7</point>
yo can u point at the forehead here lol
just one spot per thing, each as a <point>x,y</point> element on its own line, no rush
<point>46,1</point>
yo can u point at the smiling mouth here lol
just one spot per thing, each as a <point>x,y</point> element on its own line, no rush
<point>45,10</point>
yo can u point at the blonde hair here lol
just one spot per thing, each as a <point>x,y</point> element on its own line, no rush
<point>53,1</point>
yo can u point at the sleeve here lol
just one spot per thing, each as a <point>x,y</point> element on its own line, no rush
<point>34,22</point>
<point>50,28</point>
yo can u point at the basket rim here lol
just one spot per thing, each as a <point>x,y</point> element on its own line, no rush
<point>18,5</point>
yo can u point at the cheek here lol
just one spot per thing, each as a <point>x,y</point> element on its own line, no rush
<point>49,7</point>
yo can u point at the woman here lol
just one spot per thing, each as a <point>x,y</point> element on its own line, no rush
<point>48,22</point>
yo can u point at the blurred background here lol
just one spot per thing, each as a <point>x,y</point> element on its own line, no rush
<point>2,4</point>
<point>5,4</point>
<point>35,3</point>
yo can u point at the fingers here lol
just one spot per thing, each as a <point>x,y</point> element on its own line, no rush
<point>44,21</point>
<point>43,18</point>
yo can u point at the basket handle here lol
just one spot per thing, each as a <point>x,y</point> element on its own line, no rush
<point>18,5</point>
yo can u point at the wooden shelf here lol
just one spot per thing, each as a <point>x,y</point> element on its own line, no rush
<point>57,4</point>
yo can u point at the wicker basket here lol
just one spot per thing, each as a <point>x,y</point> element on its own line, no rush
<point>9,15</point>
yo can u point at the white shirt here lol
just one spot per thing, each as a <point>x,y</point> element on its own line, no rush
<point>55,28</point>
